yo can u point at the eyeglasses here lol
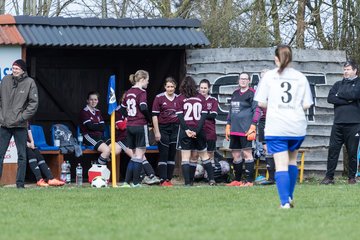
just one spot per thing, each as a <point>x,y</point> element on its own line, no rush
<point>243,79</point>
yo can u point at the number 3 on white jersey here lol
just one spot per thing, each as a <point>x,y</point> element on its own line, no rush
<point>131,107</point>
<point>192,111</point>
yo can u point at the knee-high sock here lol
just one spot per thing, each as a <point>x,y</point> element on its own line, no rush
<point>209,169</point>
<point>293,174</point>
<point>249,169</point>
<point>170,169</point>
<point>238,165</point>
<point>192,169</point>
<point>137,167</point>
<point>185,167</point>
<point>129,172</point>
<point>171,161</point>
<point>35,168</point>
<point>283,184</point>
<point>162,170</point>
<point>44,168</point>
<point>270,166</point>
<point>148,168</point>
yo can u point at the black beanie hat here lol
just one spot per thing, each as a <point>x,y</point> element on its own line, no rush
<point>21,64</point>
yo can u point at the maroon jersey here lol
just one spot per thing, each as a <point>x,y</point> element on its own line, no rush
<point>135,97</point>
<point>165,109</point>
<point>192,108</point>
<point>209,127</point>
<point>120,135</point>
<point>92,116</point>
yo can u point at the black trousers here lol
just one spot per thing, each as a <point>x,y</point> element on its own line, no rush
<point>347,134</point>
<point>20,137</point>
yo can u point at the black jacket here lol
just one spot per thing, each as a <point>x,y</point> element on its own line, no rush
<point>345,95</point>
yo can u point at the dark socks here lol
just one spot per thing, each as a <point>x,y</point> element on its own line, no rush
<point>148,168</point>
<point>192,169</point>
<point>249,169</point>
<point>270,166</point>
<point>129,172</point>
<point>162,170</point>
<point>35,168</point>
<point>185,167</point>
<point>170,169</point>
<point>209,169</point>
<point>44,168</point>
<point>238,165</point>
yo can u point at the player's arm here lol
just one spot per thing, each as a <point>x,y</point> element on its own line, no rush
<point>201,122</point>
<point>349,92</point>
<point>333,97</point>
<point>145,111</point>
<point>155,121</point>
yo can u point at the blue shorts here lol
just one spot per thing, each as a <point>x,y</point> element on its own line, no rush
<point>282,144</point>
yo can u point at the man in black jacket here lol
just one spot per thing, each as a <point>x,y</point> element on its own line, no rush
<point>18,103</point>
<point>345,95</point>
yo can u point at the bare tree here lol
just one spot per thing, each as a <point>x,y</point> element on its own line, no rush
<point>2,6</point>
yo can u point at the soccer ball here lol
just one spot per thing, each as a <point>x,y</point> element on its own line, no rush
<point>225,167</point>
<point>199,172</point>
<point>99,182</point>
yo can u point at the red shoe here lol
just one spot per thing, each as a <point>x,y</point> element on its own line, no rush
<point>42,183</point>
<point>234,184</point>
<point>167,184</point>
<point>55,182</point>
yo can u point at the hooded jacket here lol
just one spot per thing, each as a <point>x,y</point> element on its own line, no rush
<point>18,100</point>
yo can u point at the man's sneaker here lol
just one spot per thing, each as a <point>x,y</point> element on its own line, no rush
<point>327,181</point>
<point>42,183</point>
<point>125,185</point>
<point>247,184</point>
<point>55,182</point>
<point>285,206</point>
<point>212,183</point>
<point>234,184</point>
<point>136,185</point>
<point>166,184</point>
<point>352,181</point>
<point>150,181</point>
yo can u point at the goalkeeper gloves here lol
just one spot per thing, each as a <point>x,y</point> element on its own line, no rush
<point>251,133</point>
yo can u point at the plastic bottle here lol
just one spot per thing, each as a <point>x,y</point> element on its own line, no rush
<point>79,175</point>
<point>68,172</point>
<point>63,171</point>
<point>80,139</point>
<point>57,140</point>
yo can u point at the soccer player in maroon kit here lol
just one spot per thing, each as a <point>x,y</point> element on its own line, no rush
<point>92,126</point>
<point>166,126</point>
<point>191,111</point>
<point>135,107</point>
<point>120,138</point>
<point>209,127</point>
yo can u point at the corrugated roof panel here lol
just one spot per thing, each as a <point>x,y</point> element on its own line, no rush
<point>9,35</point>
<point>47,35</point>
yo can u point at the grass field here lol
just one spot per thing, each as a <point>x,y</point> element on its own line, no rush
<point>321,212</point>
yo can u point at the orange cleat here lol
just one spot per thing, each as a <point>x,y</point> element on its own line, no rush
<point>234,184</point>
<point>247,184</point>
<point>55,182</point>
<point>42,183</point>
<point>167,184</point>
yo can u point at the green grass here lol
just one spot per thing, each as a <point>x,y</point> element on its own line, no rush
<point>321,212</point>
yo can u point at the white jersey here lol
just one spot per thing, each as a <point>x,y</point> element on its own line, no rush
<point>285,95</point>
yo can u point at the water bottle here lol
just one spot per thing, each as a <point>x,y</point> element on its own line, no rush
<point>79,175</point>
<point>57,140</point>
<point>63,171</point>
<point>68,173</point>
<point>80,139</point>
